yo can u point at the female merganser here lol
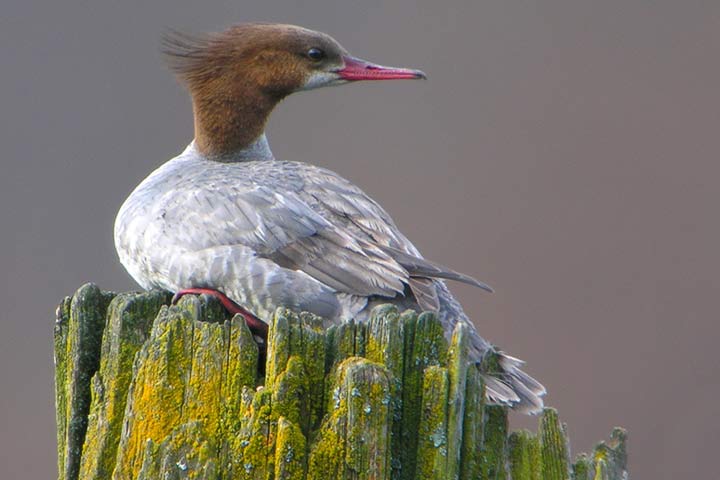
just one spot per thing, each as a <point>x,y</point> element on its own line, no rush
<point>226,218</point>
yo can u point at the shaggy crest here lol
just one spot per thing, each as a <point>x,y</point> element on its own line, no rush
<point>190,55</point>
<point>194,57</point>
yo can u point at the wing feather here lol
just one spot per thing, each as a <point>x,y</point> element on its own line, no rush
<point>346,205</point>
<point>308,219</point>
<point>280,226</point>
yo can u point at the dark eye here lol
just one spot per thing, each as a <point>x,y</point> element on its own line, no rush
<point>315,54</point>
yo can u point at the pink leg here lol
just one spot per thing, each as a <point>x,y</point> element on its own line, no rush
<point>257,326</point>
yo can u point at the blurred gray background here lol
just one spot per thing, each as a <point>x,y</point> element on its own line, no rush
<point>566,152</point>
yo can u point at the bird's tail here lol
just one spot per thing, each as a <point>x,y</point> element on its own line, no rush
<point>507,384</point>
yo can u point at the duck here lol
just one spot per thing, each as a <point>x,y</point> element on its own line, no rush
<point>228,219</point>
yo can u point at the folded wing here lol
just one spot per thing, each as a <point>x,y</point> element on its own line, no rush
<point>326,228</point>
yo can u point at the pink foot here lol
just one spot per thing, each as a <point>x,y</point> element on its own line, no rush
<point>257,326</point>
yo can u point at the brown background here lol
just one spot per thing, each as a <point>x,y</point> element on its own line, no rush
<point>564,151</point>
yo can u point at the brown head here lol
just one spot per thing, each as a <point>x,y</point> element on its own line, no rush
<point>237,77</point>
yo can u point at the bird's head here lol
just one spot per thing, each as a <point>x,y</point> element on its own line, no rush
<point>236,77</point>
<point>273,59</point>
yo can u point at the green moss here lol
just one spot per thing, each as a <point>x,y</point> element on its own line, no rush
<point>157,392</point>
<point>385,339</point>
<point>289,451</point>
<point>432,431</point>
<point>553,446</point>
<point>290,397</point>
<point>524,456</point>
<point>129,319</point>
<point>610,458</point>
<point>327,457</point>
<point>82,359</point>
<point>582,468</point>
<point>60,339</point>
<point>188,452</point>
<point>254,461</point>
<point>601,470</point>
<point>367,390</point>
<point>473,427</point>
<point>278,349</point>
<point>385,344</point>
<point>354,438</point>
<point>300,335</point>
<point>312,351</point>
<point>340,341</point>
<point>206,308</point>
<point>202,399</point>
<point>458,362</point>
<point>240,370</point>
<point>339,344</point>
<point>493,457</point>
<point>182,397</point>
<point>425,345</point>
<point>327,453</point>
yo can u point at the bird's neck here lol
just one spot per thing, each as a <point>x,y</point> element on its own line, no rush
<point>230,126</point>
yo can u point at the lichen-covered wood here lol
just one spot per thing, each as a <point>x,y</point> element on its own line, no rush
<point>145,390</point>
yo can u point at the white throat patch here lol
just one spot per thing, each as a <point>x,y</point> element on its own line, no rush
<point>322,79</point>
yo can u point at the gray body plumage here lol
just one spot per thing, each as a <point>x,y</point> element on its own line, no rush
<point>271,233</point>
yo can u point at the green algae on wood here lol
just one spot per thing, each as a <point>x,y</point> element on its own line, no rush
<point>614,453</point>
<point>176,392</point>
<point>302,335</point>
<point>344,341</point>
<point>289,451</point>
<point>354,439</point>
<point>240,371</point>
<point>79,361</point>
<point>608,461</point>
<point>129,319</point>
<point>157,392</point>
<point>62,319</point>
<point>179,377</point>
<point>473,426</point>
<point>385,339</point>
<point>524,456</point>
<point>493,456</point>
<point>385,345</point>
<point>432,432</point>
<point>367,387</point>
<point>582,468</point>
<point>458,364</point>
<point>555,456</point>
<point>327,456</point>
<point>291,395</point>
<point>255,461</point>
<point>187,453</point>
<point>425,346</point>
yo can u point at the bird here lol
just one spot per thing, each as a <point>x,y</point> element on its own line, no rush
<point>224,217</point>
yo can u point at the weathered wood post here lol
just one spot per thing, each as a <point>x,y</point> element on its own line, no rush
<point>150,391</point>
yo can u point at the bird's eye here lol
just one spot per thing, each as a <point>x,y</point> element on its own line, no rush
<point>315,54</point>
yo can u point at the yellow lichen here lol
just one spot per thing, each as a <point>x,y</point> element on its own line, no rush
<point>194,408</point>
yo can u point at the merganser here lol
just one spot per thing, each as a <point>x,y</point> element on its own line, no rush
<point>225,217</point>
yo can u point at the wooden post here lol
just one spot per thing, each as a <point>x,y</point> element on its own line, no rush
<point>145,390</point>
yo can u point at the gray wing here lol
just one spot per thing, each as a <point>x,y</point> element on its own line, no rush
<point>321,225</point>
<point>346,205</point>
<point>281,227</point>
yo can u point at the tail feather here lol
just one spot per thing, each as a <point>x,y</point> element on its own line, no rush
<point>514,364</point>
<point>512,387</point>
<point>497,391</point>
<point>423,268</point>
<point>505,382</point>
